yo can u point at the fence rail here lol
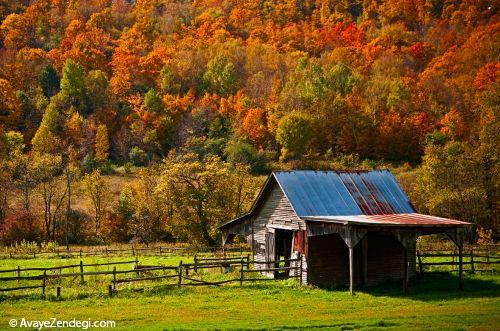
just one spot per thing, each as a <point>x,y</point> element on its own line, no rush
<point>181,273</point>
<point>156,250</point>
<point>472,258</point>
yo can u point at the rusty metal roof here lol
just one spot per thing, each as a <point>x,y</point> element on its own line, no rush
<point>347,197</point>
<point>407,219</point>
<point>336,193</point>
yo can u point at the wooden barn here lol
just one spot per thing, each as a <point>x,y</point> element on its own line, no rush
<point>348,228</point>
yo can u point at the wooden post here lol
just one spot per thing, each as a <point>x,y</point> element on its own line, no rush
<point>351,269</point>
<point>18,271</point>
<point>34,255</point>
<point>81,253</point>
<point>106,250</point>
<point>110,290</point>
<point>133,250</point>
<point>405,270</point>
<point>300,269</point>
<point>44,280</point>
<point>58,292</point>
<point>186,267</point>
<point>160,250</point>
<point>114,277</point>
<point>241,272</point>
<point>472,269</point>
<point>248,261</point>
<point>460,268</point>
<point>81,272</point>
<point>195,263</point>
<point>180,275</point>
<point>420,266</point>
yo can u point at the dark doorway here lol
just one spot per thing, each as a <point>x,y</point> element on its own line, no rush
<point>283,250</point>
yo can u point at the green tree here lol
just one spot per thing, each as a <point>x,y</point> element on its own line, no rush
<point>44,141</point>
<point>169,82</point>
<point>221,76</point>
<point>294,134</point>
<point>96,89</point>
<point>73,83</point>
<point>199,194</point>
<point>144,206</point>
<point>97,191</point>
<point>49,81</point>
<point>152,102</point>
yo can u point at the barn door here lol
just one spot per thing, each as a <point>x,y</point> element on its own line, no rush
<point>270,251</point>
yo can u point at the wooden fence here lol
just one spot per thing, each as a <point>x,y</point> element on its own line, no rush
<point>132,250</point>
<point>143,273</point>
<point>477,259</point>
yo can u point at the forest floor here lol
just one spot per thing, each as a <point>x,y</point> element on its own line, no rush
<point>432,302</point>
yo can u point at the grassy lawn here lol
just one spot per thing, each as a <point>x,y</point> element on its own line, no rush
<point>433,302</point>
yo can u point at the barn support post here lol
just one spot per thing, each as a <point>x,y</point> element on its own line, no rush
<point>351,237</point>
<point>458,237</point>
<point>351,270</point>
<point>407,240</point>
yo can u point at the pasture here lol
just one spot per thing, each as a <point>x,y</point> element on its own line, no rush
<point>431,302</point>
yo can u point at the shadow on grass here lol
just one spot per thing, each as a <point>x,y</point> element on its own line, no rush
<point>437,286</point>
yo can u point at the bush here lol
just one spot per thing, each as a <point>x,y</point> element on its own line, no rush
<point>240,152</point>
<point>138,157</point>
<point>20,227</point>
<point>89,163</point>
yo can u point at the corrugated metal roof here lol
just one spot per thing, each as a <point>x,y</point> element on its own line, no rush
<point>407,219</point>
<point>335,193</point>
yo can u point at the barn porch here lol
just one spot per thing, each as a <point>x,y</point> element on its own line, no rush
<point>367,250</point>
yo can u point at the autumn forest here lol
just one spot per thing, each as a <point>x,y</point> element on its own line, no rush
<point>188,104</point>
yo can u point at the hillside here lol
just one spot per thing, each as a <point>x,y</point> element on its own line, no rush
<point>260,85</point>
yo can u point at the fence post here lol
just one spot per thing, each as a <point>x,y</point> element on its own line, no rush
<point>81,253</point>
<point>300,269</point>
<point>110,290</point>
<point>472,269</point>
<point>18,271</point>
<point>160,250</point>
<point>106,250</point>
<point>241,273</point>
<point>248,261</point>
<point>58,292</point>
<point>114,277</point>
<point>34,255</point>
<point>420,267</point>
<point>133,251</point>
<point>196,263</point>
<point>180,275</point>
<point>81,272</point>
<point>44,280</point>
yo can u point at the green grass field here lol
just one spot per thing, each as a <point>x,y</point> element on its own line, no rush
<point>432,302</point>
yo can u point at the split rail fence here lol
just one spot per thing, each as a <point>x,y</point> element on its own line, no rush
<point>181,273</point>
<point>132,250</point>
<point>476,259</point>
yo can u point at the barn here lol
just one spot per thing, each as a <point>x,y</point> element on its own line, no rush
<point>347,228</point>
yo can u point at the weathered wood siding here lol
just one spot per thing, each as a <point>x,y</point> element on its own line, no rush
<point>276,211</point>
<point>329,260</point>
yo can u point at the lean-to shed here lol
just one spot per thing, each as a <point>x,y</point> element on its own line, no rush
<point>349,228</point>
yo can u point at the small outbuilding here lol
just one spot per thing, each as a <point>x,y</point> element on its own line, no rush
<point>348,228</point>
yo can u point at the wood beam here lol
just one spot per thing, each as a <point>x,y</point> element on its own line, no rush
<point>351,270</point>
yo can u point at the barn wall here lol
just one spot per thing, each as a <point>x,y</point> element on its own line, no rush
<point>329,260</point>
<point>275,211</point>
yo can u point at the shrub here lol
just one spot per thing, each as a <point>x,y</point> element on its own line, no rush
<point>138,157</point>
